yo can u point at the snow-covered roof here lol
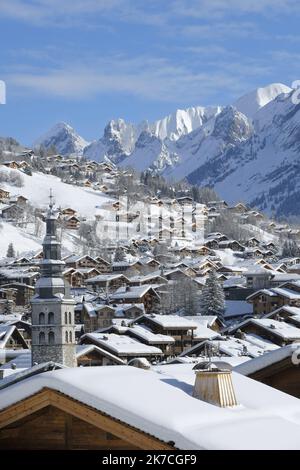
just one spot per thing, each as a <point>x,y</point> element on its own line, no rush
<point>235,308</point>
<point>133,292</point>
<point>267,360</point>
<point>82,349</point>
<point>22,361</point>
<point>121,344</point>
<point>268,292</point>
<point>10,317</point>
<point>172,414</point>
<point>204,332</point>
<point>295,311</point>
<point>146,334</point>
<point>290,294</point>
<point>233,347</point>
<point>203,320</point>
<point>6,332</point>
<point>173,321</point>
<point>104,278</point>
<point>279,328</point>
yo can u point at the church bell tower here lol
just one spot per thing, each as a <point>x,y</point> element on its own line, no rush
<point>53,324</point>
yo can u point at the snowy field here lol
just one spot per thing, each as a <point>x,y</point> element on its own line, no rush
<point>23,241</point>
<point>37,188</point>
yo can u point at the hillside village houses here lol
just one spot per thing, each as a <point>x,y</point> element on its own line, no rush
<point>135,305</point>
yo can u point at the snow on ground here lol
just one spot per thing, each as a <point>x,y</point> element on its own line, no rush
<point>261,234</point>
<point>227,257</point>
<point>22,240</point>
<point>37,188</point>
<point>25,241</point>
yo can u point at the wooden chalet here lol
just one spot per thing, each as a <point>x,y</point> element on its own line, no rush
<point>11,212</point>
<point>180,328</point>
<point>107,282</point>
<point>23,292</point>
<point>12,164</point>
<point>278,369</point>
<point>71,222</point>
<point>19,200</point>
<point>251,242</point>
<point>144,294</point>
<point>84,261</point>
<point>102,265</point>
<point>89,355</point>
<point>11,338</point>
<point>4,195</point>
<point>128,408</point>
<point>266,300</point>
<point>95,317</point>
<point>49,419</point>
<point>273,331</point>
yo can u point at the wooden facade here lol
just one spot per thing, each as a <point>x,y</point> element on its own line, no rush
<point>4,194</point>
<point>71,222</point>
<point>282,375</point>
<point>52,420</point>
<point>102,318</point>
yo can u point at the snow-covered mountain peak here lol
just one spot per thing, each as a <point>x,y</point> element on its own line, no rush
<point>122,132</point>
<point>183,121</point>
<point>64,138</point>
<point>250,103</point>
<point>232,126</point>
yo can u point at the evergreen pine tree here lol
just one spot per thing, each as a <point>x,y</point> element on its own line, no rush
<point>290,249</point>
<point>212,299</point>
<point>119,255</point>
<point>10,251</point>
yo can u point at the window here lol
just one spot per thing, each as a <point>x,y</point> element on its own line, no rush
<point>42,337</point>
<point>41,318</point>
<point>51,337</point>
<point>70,318</point>
<point>66,337</point>
<point>70,337</point>
<point>66,318</point>
<point>50,318</point>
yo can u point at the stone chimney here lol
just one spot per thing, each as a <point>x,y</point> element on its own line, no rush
<point>214,385</point>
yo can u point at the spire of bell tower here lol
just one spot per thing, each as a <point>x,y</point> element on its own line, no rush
<point>51,200</point>
<point>53,325</point>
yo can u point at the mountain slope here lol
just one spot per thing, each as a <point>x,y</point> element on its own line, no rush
<point>250,103</point>
<point>264,169</point>
<point>120,138</point>
<point>116,144</point>
<point>36,189</point>
<point>150,152</point>
<point>229,129</point>
<point>249,151</point>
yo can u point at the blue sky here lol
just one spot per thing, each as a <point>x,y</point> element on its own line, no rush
<point>88,61</point>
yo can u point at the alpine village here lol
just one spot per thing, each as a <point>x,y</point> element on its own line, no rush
<point>140,314</point>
